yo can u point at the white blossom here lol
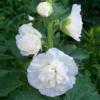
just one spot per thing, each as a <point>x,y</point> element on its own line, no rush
<point>52,73</point>
<point>74,23</point>
<point>44,9</point>
<point>28,40</point>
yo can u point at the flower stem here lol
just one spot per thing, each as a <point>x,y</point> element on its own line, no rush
<point>50,35</point>
<point>50,1</point>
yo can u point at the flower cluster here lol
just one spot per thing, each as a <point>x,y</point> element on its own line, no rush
<point>53,72</point>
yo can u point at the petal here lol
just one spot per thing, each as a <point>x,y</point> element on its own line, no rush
<point>24,53</point>
<point>29,29</point>
<point>76,9</point>
<point>56,53</point>
<point>51,92</point>
<point>70,64</point>
<point>41,59</point>
<point>32,79</point>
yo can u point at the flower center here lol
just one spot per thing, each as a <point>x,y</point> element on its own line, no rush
<point>53,74</point>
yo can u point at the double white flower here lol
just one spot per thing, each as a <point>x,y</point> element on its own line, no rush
<point>44,9</point>
<point>52,73</point>
<point>72,25</point>
<point>28,40</point>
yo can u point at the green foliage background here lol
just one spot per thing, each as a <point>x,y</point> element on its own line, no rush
<point>13,81</point>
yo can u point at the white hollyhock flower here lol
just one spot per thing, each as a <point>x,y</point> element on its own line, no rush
<point>73,24</point>
<point>52,73</point>
<point>44,9</point>
<point>28,40</point>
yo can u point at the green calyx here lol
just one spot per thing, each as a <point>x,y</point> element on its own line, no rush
<point>63,25</point>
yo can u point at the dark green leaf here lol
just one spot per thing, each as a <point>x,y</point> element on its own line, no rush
<point>11,44</point>
<point>65,3</point>
<point>83,90</point>
<point>3,48</point>
<point>70,48</point>
<point>5,56</point>
<point>8,83</point>
<point>29,94</point>
<point>3,72</point>
<point>80,54</point>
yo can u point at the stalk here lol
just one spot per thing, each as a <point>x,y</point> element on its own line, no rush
<point>50,35</point>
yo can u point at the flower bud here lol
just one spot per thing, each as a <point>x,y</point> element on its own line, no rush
<point>31,18</point>
<point>44,9</point>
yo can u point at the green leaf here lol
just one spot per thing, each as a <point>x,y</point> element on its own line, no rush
<point>8,82</point>
<point>3,48</point>
<point>33,5</point>
<point>5,56</point>
<point>65,3</point>
<point>29,94</point>
<point>3,72</point>
<point>2,38</point>
<point>60,11</point>
<point>80,54</point>
<point>70,48</point>
<point>83,90</point>
<point>11,44</point>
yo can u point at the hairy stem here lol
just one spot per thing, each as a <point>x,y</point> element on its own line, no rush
<point>50,35</point>
<point>50,1</point>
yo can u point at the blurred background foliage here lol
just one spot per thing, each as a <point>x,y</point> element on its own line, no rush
<point>13,82</point>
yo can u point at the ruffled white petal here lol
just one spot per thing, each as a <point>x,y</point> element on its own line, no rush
<point>51,72</point>
<point>28,29</point>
